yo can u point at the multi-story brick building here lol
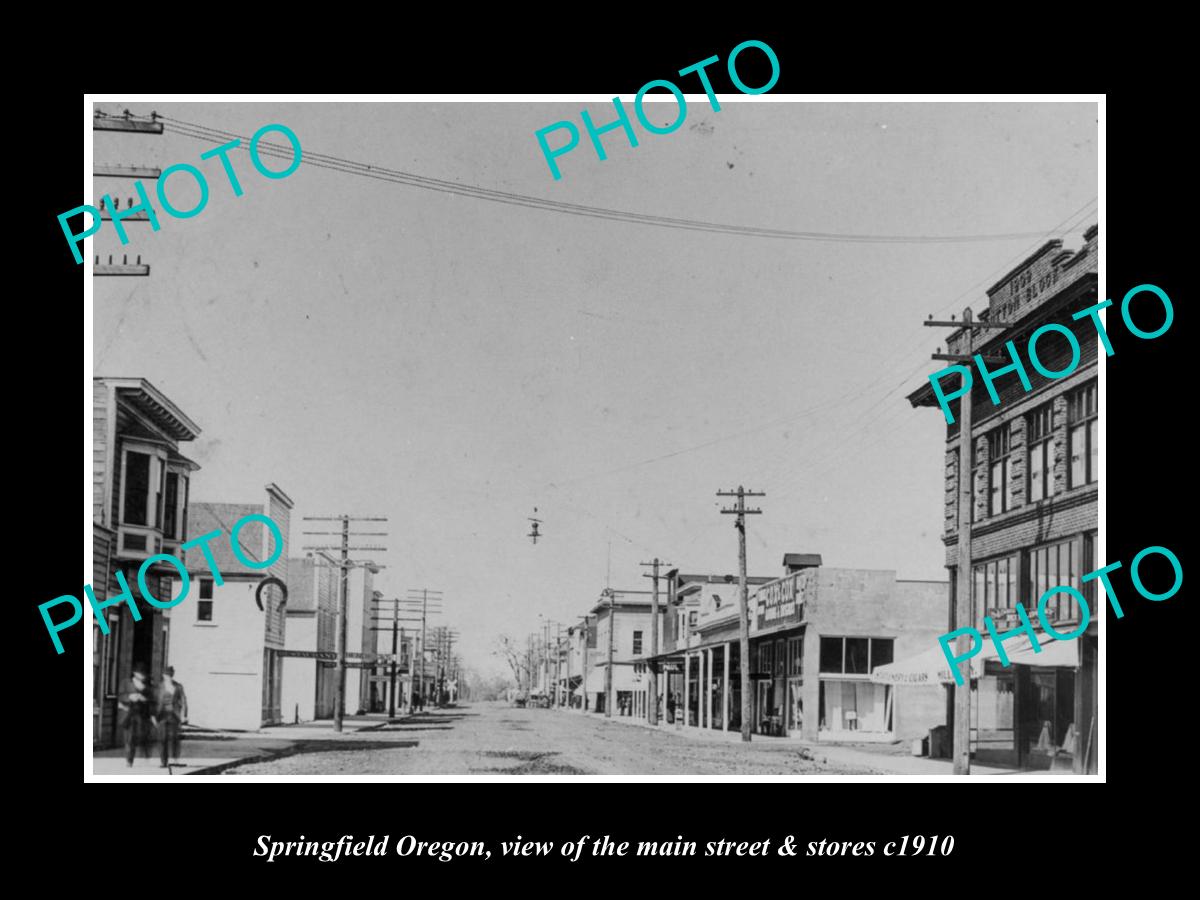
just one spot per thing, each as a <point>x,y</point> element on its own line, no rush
<point>228,639</point>
<point>139,508</point>
<point>1033,469</point>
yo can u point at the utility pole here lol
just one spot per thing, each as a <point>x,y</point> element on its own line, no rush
<point>421,597</point>
<point>397,635</point>
<point>963,600</point>
<point>651,667</point>
<point>608,670</point>
<point>744,618</point>
<point>345,564</point>
<point>128,123</point>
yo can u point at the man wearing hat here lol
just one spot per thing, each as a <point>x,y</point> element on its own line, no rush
<point>133,705</point>
<point>170,711</point>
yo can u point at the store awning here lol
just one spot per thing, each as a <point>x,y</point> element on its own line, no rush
<point>1061,654</point>
<point>931,666</point>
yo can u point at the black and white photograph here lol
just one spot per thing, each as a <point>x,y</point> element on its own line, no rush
<point>516,438</point>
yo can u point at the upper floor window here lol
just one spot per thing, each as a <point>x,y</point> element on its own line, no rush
<point>1053,565</point>
<point>637,643</point>
<point>136,488</point>
<point>1040,437</point>
<point>1000,469</point>
<point>855,655</point>
<point>1082,437</point>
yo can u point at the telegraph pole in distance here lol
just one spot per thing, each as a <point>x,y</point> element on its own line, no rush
<point>963,601</point>
<point>651,670</point>
<point>421,596</point>
<point>744,618</point>
<point>345,564</point>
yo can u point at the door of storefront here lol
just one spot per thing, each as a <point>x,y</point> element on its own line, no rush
<point>1047,712</point>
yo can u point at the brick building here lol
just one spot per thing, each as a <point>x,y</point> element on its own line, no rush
<point>1033,464</point>
<point>139,509</point>
<point>228,639</point>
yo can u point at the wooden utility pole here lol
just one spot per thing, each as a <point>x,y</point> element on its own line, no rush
<point>744,618</point>
<point>128,123</point>
<point>963,601</point>
<point>608,670</point>
<point>345,564</point>
<point>421,598</point>
<point>652,666</point>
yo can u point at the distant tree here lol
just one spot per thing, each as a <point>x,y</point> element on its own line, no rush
<point>513,652</point>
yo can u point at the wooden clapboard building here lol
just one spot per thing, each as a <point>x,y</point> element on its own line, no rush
<point>140,484</point>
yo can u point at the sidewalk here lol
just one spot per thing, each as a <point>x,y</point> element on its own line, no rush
<point>883,758</point>
<point>207,752</point>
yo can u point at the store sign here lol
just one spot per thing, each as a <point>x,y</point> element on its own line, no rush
<point>779,602</point>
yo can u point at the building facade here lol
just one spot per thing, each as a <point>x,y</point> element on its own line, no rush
<point>140,488</point>
<point>1032,463</point>
<point>619,640</point>
<point>309,682</point>
<point>815,636</point>
<point>229,639</point>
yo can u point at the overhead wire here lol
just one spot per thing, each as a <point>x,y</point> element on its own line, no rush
<point>398,176</point>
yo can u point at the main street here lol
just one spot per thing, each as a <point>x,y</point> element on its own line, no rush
<point>495,738</point>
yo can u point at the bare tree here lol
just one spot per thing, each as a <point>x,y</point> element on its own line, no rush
<point>514,653</point>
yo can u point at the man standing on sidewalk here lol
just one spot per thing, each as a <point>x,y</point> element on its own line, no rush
<point>171,712</point>
<point>133,705</point>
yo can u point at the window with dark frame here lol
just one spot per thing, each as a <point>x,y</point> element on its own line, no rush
<point>637,643</point>
<point>204,610</point>
<point>855,655</point>
<point>1082,437</point>
<point>136,488</point>
<point>1000,468</point>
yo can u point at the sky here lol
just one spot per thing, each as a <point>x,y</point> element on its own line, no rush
<point>452,363</point>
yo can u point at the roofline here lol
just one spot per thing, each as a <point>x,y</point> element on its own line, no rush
<point>923,395</point>
<point>273,488</point>
<point>156,395</point>
<point>1054,244</point>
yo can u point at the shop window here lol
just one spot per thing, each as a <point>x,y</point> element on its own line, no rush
<point>995,585</point>
<point>1051,566</point>
<point>637,643</point>
<point>1082,438</point>
<point>1000,469</point>
<point>1039,432</point>
<point>831,654</point>
<point>849,706</point>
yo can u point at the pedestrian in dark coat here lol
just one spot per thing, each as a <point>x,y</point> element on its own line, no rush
<point>133,712</point>
<point>171,712</point>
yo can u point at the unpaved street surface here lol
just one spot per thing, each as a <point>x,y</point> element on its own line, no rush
<point>485,738</point>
